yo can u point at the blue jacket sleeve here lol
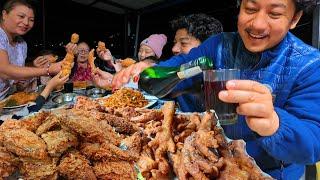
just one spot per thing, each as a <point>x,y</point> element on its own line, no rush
<point>298,138</point>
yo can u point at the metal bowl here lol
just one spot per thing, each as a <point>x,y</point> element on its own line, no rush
<point>96,92</point>
<point>64,98</point>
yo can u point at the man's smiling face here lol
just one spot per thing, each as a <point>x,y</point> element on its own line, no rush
<point>262,24</point>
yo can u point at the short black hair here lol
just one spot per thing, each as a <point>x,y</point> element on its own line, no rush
<point>10,4</point>
<point>46,52</point>
<point>201,26</point>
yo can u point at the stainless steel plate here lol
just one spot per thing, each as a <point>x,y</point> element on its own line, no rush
<point>64,98</point>
<point>96,92</point>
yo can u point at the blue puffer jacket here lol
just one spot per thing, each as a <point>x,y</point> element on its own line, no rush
<point>292,69</point>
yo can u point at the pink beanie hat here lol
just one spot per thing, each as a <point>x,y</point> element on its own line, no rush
<point>156,43</point>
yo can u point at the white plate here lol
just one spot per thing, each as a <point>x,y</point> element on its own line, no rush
<point>13,107</point>
<point>151,100</point>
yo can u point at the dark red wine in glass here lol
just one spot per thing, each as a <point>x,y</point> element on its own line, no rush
<point>226,112</point>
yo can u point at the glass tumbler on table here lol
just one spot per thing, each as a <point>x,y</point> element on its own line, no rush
<point>214,82</point>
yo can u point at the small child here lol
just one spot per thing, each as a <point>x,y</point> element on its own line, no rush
<point>41,99</point>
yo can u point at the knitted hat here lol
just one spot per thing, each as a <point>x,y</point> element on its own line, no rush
<point>156,43</point>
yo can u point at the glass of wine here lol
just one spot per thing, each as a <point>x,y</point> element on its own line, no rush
<point>214,82</point>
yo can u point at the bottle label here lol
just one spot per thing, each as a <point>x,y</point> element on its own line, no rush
<point>189,72</point>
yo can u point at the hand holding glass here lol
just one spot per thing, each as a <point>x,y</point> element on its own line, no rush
<point>214,82</point>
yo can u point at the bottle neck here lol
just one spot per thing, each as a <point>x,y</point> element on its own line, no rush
<point>189,72</point>
<point>203,62</point>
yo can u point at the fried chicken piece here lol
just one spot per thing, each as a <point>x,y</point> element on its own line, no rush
<point>191,167</point>
<point>59,141</point>
<point>84,103</point>
<point>91,59</point>
<point>246,162</point>
<point>20,98</point>
<point>133,143</point>
<point>146,162</point>
<point>74,38</point>
<point>67,64</point>
<point>125,112</point>
<point>232,171</point>
<point>51,121</point>
<point>163,142</point>
<point>88,128</point>
<point>155,115</point>
<point>162,172</point>
<point>178,166</point>
<point>32,123</point>
<point>127,62</point>
<point>116,138</point>
<point>120,124</point>
<point>106,151</point>
<point>204,141</point>
<point>24,143</point>
<point>75,166</point>
<point>8,163</point>
<point>7,125</point>
<point>115,170</point>
<point>101,46</point>
<point>183,135</point>
<point>151,128</point>
<point>45,169</point>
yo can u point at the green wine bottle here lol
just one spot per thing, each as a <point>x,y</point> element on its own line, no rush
<point>160,81</point>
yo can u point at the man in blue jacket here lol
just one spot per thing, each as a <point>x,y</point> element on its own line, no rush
<point>281,135</point>
<point>190,31</point>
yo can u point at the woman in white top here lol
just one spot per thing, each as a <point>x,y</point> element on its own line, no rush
<point>16,19</point>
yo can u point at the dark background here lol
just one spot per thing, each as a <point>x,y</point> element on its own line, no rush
<point>62,18</point>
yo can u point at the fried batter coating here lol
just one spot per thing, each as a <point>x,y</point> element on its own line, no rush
<point>133,143</point>
<point>74,38</point>
<point>91,59</point>
<point>59,141</point>
<point>127,62</point>
<point>88,128</point>
<point>8,163</point>
<point>178,166</point>
<point>163,142</point>
<point>67,64</point>
<point>39,169</point>
<point>155,115</point>
<point>192,168</point>
<point>24,143</point>
<point>101,46</point>
<point>33,122</point>
<point>246,162</point>
<point>106,151</point>
<point>115,170</point>
<point>76,166</point>
<point>87,104</point>
<point>51,121</point>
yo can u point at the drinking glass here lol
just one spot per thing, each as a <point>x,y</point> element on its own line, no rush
<point>214,82</point>
<point>68,87</point>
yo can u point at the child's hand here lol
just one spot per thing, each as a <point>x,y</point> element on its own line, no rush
<point>41,61</point>
<point>57,81</point>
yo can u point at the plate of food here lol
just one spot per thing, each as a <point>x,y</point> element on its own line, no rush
<point>128,97</point>
<point>80,85</point>
<point>18,100</point>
